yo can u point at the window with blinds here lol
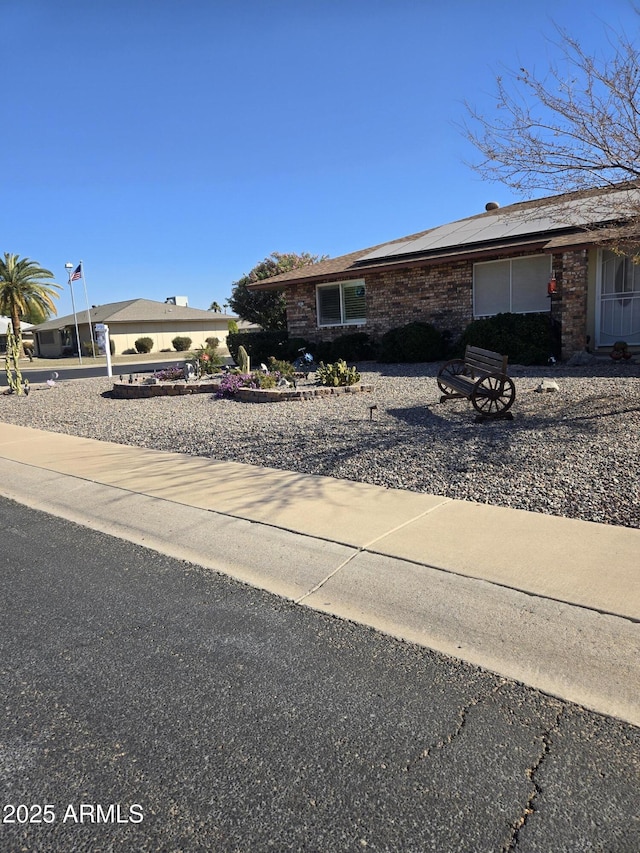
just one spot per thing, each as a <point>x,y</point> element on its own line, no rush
<point>517,285</point>
<point>341,304</point>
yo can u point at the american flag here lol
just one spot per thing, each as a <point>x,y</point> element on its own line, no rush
<point>77,273</point>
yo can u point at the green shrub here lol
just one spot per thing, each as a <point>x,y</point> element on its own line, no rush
<point>321,351</point>
<point>181,344</point>
<point>524,338</point>
<point>232,327</point>
<point>337,374</point>
<point>414,342</point>
<point>259,345</point>
<point>265,380</point>
<point>356,346</point>
<point>144,344</point>
<point>284,368</point>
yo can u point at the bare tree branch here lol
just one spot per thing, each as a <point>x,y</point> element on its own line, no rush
<point>575,128</point>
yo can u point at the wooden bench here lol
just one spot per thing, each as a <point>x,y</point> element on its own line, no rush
<point>481,376</point>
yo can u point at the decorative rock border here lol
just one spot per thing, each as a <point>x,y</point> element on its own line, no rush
<point>278,395</point>
<point>138,391</point>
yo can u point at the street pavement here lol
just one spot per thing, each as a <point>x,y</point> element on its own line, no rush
<point>150,704</point>
<point>40,370</point>
<point>550,602</point>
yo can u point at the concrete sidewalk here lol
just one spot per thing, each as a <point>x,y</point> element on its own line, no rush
<point>551,602</point>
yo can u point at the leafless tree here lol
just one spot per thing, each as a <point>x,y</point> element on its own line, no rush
<point>575,127</point>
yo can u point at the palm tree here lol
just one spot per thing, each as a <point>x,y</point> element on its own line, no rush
<point>23,290</point>
<point>215,306</point>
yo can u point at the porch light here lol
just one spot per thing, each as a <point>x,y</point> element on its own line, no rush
<point>552,287</point>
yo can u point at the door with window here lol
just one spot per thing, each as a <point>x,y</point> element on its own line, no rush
<point>618,300</point>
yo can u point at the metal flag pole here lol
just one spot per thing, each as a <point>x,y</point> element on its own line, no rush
<point>86,298</point>
<point>69,269</point>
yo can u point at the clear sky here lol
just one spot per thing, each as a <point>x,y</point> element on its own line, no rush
<point>173,144</point>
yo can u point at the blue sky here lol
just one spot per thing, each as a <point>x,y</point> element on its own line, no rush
<point>173,144</point>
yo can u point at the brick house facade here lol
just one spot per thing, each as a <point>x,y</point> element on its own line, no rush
<point>403,284</point>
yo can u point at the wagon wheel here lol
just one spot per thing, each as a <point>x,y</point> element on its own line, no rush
<point>493,395</point>
<point>457,367</point>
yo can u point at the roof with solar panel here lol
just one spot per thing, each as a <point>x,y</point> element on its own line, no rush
<point>556,221</point>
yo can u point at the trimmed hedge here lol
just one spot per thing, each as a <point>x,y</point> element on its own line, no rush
<point>355,346</point>
<point>144,344</point>
<point>181,343</point>
<point>260,345</point>
<point>414,342</point>
<point>525,338</point>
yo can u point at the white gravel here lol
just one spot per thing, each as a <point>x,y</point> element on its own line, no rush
<point>575,452</point>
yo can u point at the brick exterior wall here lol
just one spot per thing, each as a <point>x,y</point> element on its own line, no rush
<point>570,306</point>
<point>441,295</point>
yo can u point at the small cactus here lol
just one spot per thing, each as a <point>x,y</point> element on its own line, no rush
<point>337,374</point>
<point>243,360</point>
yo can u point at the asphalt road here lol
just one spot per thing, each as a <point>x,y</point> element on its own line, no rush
<point>151,705</point>
<point>35,374</point>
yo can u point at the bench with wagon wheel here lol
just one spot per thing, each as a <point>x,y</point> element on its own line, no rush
<point>481,376</point>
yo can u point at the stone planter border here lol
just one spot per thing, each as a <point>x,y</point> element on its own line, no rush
<point>138,391</point>
<point>275,395</point>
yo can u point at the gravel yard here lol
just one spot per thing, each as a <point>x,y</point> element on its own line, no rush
<point>574,452</point>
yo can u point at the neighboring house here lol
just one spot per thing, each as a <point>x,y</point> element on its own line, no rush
<point>502,260</point>
<point>130,320</point>
<point>5,323</point>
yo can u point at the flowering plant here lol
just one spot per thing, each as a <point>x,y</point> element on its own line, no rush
<point>232,382</point>
<point>170,374</point>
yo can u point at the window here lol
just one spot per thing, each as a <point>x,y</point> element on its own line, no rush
<point>518,285</point>
<point>341,304</point>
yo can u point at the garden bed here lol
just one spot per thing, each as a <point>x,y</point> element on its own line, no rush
<point>140,390</point>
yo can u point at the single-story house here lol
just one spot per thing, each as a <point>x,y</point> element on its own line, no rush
<point>5,323</point>
<point>130,320</point>
<point>506,259</point>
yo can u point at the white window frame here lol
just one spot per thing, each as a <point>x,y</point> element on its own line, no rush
<point>340,285</point>
<point>543,305</point>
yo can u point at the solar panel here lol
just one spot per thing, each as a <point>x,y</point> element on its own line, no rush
<point>557,215</point>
